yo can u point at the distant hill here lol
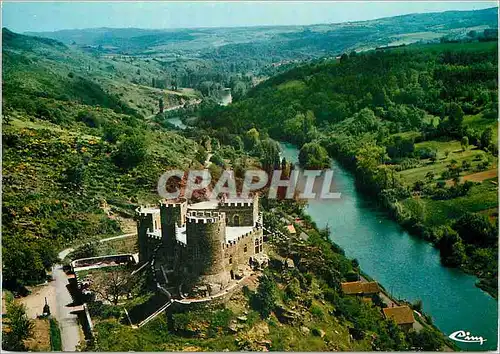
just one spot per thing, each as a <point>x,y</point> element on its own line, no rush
<point>44,67</point>
<point>316,40</point>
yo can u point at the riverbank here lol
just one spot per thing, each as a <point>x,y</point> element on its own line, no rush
<point>407,266</point>
<point>400,210</point>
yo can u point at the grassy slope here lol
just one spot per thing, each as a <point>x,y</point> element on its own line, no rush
<point>48,68</point>
<point>43,140</point>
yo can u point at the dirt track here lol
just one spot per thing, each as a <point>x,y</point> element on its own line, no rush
<point>481,176</point>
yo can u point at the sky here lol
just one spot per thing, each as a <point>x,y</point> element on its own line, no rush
<point>52,16</point>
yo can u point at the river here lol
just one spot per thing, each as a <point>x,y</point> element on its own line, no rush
<point>406,266</point>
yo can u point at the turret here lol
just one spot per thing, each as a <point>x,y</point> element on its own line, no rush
<point>206,234</point>
<point>173,214</point>
<point>148,221</point>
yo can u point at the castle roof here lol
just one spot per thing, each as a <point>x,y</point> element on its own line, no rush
<point>209,204</point>
<point>233,232</point>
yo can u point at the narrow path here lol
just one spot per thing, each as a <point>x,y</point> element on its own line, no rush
<point>68,322</point>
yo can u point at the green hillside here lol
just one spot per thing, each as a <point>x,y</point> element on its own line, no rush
<point>417,125</point>
<point>76,157</point>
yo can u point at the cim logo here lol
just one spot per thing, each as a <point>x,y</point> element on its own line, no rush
<point>462,336</point>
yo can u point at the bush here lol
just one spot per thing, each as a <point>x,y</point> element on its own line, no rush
<point>264,300</point>
<point>313,155</point>
<point>316,311</point>
<point>131,152</point>
<point>89,118</point>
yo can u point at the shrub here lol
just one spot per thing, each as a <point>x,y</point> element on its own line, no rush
<point>89,118</point>
<point>131,152</point>
<point>316,311</point>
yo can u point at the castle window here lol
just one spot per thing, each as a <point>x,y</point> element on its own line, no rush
<point>236,220</point>
<point>245,248</point>
<point>230,260</point>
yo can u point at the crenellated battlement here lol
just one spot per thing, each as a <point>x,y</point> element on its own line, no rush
<point>173,203</point>
<point>204,217</point>
<point>146,210</point>
<point>156,234</point>
<point>234,242</point>
<point>236,203</point>
<point>181,244</point>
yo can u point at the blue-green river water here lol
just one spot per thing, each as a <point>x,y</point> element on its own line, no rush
<point>406,266</point>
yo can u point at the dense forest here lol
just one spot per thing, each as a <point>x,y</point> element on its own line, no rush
<point>416,124</point>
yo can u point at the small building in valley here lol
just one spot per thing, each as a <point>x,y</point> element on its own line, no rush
<point>402,315</point>
<point>360,288</point>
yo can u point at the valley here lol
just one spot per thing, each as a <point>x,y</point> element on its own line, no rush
<point>403,110</point>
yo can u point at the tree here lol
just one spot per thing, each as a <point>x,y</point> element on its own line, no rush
<point>476,229</point>
<point>19,325</point>
<point>160,105</point>
<point>251,139</point>
<point>464,143</point>
<point>264,300</point>
<point>451,247</point>
<point>237,143</point>
<point>486,137</point>
<point>427,339</point>
<point>112,285</point>
<point>456,115</point>
<point>131,152</point>
<point>313,155</point>
<point>270,157</point>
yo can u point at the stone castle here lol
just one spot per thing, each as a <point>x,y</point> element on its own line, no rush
<point>200,249</point>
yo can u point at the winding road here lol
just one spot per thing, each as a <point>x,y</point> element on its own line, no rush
<point>68,322</point>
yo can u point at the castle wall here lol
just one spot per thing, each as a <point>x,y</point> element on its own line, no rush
<point>148,221</point>
<point>206,263</point>
<point>238,254</point>
<point>240,213</point>
<point>171,214</point>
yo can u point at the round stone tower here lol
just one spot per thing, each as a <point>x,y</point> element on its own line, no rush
<point>206,235</point>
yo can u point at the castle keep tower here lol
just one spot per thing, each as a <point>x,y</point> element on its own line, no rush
<point>173,215</point>
<point>200,249</point>
<point>206,235</point>
<point>148,225</point>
